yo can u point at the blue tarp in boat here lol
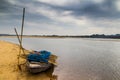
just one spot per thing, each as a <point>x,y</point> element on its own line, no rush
<point>39,56</point>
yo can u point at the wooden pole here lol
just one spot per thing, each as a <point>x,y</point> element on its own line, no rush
<point>19,49</point>
<point>19,41</point>
<point>17,36</point>
<point>22,25</point>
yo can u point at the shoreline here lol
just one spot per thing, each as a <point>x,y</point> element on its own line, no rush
<point>8,64</point>
<point>59,37</point>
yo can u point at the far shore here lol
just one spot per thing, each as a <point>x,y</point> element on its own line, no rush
<point>32,36</point>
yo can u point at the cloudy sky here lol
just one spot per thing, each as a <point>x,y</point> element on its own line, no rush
<point>61,17</point>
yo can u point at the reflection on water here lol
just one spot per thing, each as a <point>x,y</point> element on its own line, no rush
<point>38,76</point>
<point>79,59</point>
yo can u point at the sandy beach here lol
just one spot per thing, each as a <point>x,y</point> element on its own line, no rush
<point>8,65</point>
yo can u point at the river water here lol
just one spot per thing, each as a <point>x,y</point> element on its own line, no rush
<point>80,59</point>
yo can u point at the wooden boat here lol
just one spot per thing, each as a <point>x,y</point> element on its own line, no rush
<point>34,66</point>
<point>38,61</point>
<point>37,67</point>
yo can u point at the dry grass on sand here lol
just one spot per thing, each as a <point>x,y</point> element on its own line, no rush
<point>8,65</point>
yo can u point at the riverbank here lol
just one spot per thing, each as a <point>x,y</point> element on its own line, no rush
<point>8,64</point>
<point>82,37</point>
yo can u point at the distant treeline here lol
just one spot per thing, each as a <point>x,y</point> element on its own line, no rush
<point>117,36</point>
<point>114,36</point>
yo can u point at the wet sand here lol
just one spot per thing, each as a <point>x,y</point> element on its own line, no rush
<point>8,65</point>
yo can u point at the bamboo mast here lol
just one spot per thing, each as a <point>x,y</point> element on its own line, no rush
<point>20,38</point>
<point>19,41</point>
<point>22,33</point>
<point>22,30</point>
<point>19,49</point>
<point>22,24</point>
<point>17,36</point>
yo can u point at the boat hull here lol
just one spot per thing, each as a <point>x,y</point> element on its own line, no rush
<point>37,67</point>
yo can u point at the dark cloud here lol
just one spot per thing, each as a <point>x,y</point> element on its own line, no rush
<point>91,9</point>
<point>3,6</point>
<point>12,12</point>
<point>105,9</point>
<point>9,11</point>
<point>7,7</point>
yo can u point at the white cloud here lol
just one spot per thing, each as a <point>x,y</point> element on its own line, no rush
<point>118,4</point>
<point>57,2</point>
<point>62,22</point>
<point>62,17</point>
<point>98,1</point>
<point>12,1</point>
